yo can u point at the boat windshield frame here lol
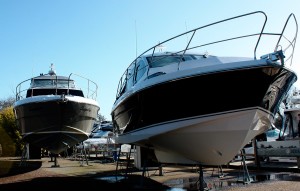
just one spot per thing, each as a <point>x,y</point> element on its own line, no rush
<point>129,76</point>
<point>89,88</point>
<point>52,83</point>
<point>163,60</point>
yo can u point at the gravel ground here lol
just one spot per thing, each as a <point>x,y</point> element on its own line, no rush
<point>74,174</point>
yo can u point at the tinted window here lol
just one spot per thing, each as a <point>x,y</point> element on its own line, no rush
<point>130,76</point>
<point>100,134</point>
<point>141,69</point>
<point>159,61</point>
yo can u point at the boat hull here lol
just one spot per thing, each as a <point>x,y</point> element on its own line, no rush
<point>176,115</point>
<point>213,139</point>
<point>55,123</point>
<point>218,138</point>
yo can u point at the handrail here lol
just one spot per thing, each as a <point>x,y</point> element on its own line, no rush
<point>151,51</point>
<point>90,92</point>
<point>20,91</point>
<point>208,25</point>
<point>293,42</point>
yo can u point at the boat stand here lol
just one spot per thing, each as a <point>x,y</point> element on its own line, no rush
<point>25,155</point>
<point>80,153</point>
<point>220,171</point>
<point>246,176</point>
<point>54,156</point>
<point>51,157</point>
<point>145,168</point>
<point>127,160</point>
<point>83,155</point>
<point>160,170</point>
<point>202,186</point>
<point>118,160</point>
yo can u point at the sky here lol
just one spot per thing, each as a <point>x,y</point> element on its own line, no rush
<point>99,39</point>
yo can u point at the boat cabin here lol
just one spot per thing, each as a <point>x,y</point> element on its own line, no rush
<point>52,85</point>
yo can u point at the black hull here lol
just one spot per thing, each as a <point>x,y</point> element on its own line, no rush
<point>192,96</point>
<point>55,125</point>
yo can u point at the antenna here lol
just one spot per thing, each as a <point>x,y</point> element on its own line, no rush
<point>32,70</point>
<point>135,39</point>
<point>187,39</point>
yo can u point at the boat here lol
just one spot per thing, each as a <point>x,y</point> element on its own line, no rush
<point>286,146</point>
<point>200,108</point>
<point>290,129</point>
<point>53,113</point>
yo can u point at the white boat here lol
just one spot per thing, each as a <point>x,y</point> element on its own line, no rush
<point>100,139</point>
<point>291,124</point>
<point>201,108</point>
<point>53,113</point>
<point>281,141</point>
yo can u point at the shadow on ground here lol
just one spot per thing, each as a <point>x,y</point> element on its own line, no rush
<point>103,181</point>
<point>131,182</point>
<point>15,167</point>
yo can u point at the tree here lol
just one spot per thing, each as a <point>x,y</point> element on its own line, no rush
<point>4,103</point>
<point>101,117</point>
<point>10,137</point>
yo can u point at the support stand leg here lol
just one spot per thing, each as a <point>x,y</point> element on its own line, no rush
<point>202,183</point>
<point>160,168</point>
<point>25,155</point>
<point>83,154</point>
<point>118,159</point>
<point>220,172</point>
<point>128,159</point>
<point>55,161</point>
<point>246,176</point>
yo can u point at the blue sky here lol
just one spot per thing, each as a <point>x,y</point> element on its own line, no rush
<point>99,39</point>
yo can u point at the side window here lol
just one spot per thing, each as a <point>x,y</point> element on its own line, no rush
<point>140,69</point>
<point>130,75</point>
<point>122,85</point>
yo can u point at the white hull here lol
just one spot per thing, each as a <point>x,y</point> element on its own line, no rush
<point>210,139</point>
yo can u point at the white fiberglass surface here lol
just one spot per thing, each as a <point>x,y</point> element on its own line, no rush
<point>239,120</point>
<point>46,98</point>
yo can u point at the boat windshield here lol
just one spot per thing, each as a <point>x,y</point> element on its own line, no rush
<point>159,61</point>
<point>52,83</point>
<point>100,134</point>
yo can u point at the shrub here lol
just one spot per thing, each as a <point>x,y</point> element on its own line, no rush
<point>10,137</point>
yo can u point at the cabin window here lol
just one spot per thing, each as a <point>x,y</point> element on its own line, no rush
<point>140,69</point>
<point>130,76</point>
<point>65,83</point>
<point>159,61</point>
<point>42,83</point>
<point>121,86</point>
<point>52,83</point>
